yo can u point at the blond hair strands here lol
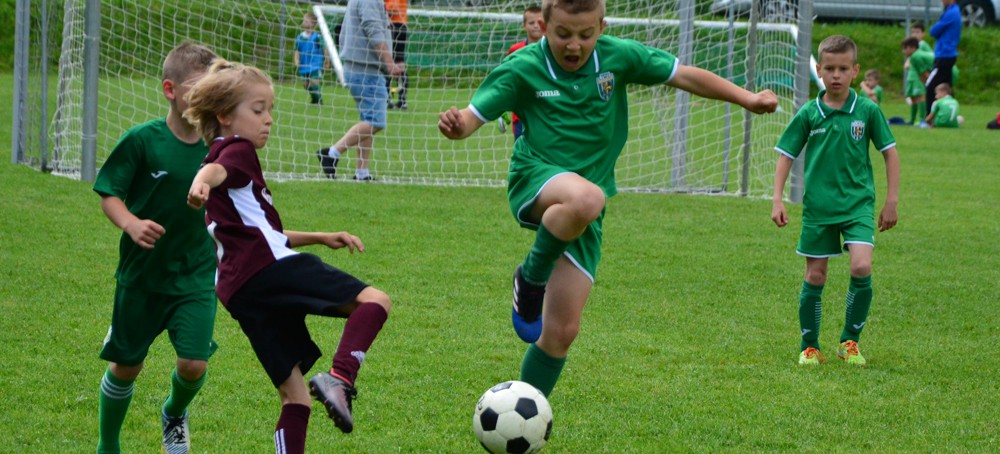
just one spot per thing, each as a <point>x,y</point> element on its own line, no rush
<point>838,44</point>
<point>218,93</point>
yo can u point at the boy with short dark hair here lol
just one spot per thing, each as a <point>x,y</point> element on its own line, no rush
<point>918,66</point>
<point>839,201</point>
<point>571,88</point>
<point>166,268</point>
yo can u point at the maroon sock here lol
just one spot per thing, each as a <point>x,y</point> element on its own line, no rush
<point>359,332</point>
<point>290,435</point>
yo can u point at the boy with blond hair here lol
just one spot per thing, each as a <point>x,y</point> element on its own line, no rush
<point>944,114</point>
<point>166,267</point>
<point>839,203</point>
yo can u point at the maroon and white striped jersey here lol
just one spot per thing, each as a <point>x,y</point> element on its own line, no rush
<point>241,217</point>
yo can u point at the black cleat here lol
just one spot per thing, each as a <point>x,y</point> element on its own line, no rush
<point>328,164</point>
<point>336,395</point>
<point>526,315</point>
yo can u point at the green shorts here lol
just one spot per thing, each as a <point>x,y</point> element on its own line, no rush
<point>313,76</point>
<point>823,240</point>
<point>141,315</point>
<point>523,186</point>
<point>915,88</point>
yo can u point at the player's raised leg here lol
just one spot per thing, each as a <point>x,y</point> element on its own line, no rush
<point>564,208</point>
<point>568,290</point>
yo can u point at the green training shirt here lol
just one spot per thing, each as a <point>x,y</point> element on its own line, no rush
<point>151,170</point>
<point>839,185</point>
<point>574,120</point>
<point>920,62</point>
<point>945,112</point>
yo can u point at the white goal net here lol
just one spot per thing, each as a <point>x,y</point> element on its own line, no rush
<point>678,143</point>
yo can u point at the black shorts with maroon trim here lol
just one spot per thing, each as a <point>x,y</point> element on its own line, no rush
<point>271,309</point>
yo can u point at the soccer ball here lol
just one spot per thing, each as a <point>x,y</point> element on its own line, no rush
<point>512,417</point>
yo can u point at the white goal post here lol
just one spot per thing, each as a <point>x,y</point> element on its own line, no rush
<point>677,143</point>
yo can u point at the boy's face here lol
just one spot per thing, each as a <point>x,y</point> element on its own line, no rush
<point>572,37</point>
<point>837,72</point>
<point>177,93</point>
<point>251,119</point>
<point>533,26</point>
<point>917,32</point>
<point>908,51</point>
<point>308,23</point>
<point>939,93</point>
<point>871,81</point>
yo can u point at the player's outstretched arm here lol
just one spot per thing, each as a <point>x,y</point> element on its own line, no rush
<point>207,178</point>
<point>888,217</point>
<point>333,240</point>
<point>144,232</point>
<point>708,85</point>
<point>778,213</point>
<point>458,124</point>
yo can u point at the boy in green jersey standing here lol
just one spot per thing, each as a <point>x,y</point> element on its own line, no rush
<point>570,91</point>
<point>166,269</point>
<point>839,197</point>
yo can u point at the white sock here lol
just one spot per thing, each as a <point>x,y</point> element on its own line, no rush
<point>334,153</point>
<point>362,173</point>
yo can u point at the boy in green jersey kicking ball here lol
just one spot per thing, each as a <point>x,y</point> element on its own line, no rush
<point>570,91</point>
<point>839,198</point>
<point>166,269</point>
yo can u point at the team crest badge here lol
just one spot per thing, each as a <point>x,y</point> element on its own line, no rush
<point>606,85</point>
<point>857,129</point>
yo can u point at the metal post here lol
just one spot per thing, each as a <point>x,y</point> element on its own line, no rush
<point>43,133</point>
<point>281,48</point>
<point>91,54</point>
<point>803,53</point>
<point>751,85</point>
<point>19,128</point>
<point>727,138</point>
<point>685,48</point>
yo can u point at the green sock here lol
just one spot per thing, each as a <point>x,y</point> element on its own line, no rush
<point>923,110</point>
<point>182,392</point>
<point>859,299</point>
<point>315,92</point>
<point>540,262</point>
<point>810,314</point>
<point>116,394</point>
<point>913,111</point>
<point>541,370</point>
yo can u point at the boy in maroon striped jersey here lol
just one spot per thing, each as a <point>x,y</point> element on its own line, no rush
<point>264,284</point>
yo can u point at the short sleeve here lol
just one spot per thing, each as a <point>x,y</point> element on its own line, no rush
<point>796,134</point>
<point>239,159</point>
<point>117,172</point>
<point>881,135</point>
<point>649,65</point>
<point>499,92</point>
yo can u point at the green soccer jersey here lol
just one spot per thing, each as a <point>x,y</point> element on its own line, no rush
<point>839,185</point>
<point>920,62</point>
<point>577,121</point>
<point>878,94</point>
<point>945,112</point>
<point>924,47</point>
<point>151,170</point>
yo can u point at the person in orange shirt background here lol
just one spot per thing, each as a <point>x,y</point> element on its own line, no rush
<point>397,20</point>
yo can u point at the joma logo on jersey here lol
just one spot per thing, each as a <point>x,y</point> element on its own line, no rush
<point>547,94</point>
<point>606,85</point>
<point>857,129</point>
<point>817,131</point>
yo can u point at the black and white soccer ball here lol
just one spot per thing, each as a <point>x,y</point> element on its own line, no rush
<point>512,417</point>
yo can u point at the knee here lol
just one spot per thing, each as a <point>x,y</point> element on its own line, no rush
<point>861,269</point>
<point>816,276</point>
<point>589,203</point>
<point>374,295</point>
<point>560,337</point>
<point>191,369</point>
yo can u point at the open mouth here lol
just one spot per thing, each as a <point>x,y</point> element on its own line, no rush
<point>571,60</point>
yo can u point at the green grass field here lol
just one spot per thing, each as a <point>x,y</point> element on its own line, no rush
<point>689,342</point>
